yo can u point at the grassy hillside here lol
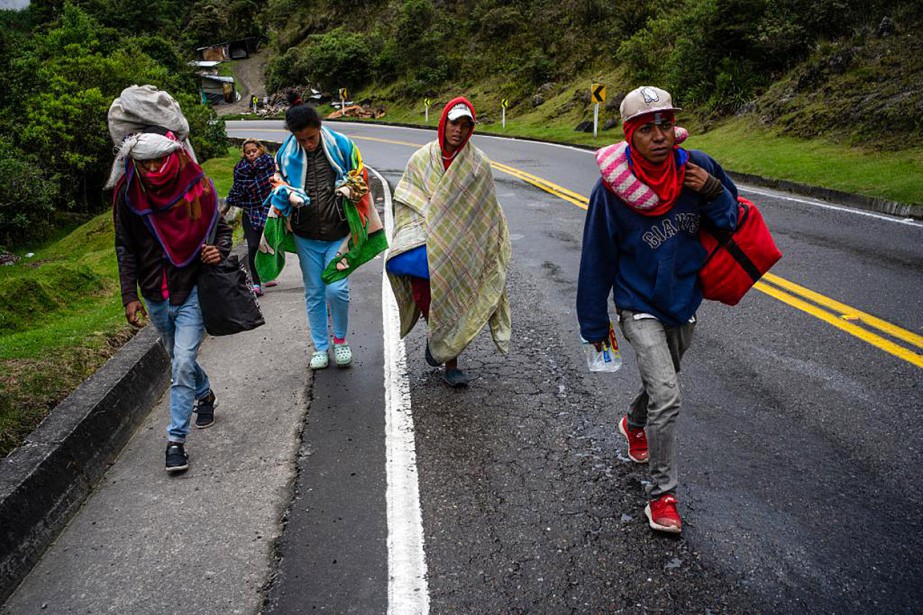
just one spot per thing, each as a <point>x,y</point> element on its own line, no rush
<point>828,92</point>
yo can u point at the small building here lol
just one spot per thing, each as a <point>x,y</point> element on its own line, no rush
<point>217,89</point>
<point>214,53</point>
<point>243,48</point>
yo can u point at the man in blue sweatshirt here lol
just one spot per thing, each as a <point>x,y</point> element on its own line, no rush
<point>640,243</point>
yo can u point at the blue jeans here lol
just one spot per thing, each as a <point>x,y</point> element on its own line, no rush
<point>314,255</point>
<point>181,328</point>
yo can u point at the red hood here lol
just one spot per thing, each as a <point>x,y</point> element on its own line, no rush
<point>443,120</point>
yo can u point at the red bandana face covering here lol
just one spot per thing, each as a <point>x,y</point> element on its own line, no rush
<point>665,179</point>
<point>178,204</point>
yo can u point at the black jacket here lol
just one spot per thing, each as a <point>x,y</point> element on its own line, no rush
<point>323,217</point>
<point>142,262</point>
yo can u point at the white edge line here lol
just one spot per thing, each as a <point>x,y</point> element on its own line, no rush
<point>408,592</point>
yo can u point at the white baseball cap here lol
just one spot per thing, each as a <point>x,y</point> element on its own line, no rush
<point>646,99</point>
<point>459,110</point>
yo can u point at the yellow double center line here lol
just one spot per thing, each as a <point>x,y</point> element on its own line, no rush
<point>843,317</point>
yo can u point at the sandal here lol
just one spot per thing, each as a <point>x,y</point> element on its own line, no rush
<point>342,354</point>
<point>455,378</point>
<point>319,360</point>
<point>342,263</point>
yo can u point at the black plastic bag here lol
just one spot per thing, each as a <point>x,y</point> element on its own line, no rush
<point>226,297</point>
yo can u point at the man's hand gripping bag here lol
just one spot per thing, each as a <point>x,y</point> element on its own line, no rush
<point>737,260</point>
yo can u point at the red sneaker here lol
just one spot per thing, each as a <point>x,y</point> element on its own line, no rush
<point>662,515</point>
<point>637,441</point>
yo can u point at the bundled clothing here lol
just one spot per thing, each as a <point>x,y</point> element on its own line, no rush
<point>310,196</point>
<point>450,229</point>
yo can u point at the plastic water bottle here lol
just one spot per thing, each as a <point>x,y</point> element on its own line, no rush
<point>607,358</point>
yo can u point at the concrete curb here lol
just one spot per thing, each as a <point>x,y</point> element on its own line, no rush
<point>858,201</point>
<point>45,481</point>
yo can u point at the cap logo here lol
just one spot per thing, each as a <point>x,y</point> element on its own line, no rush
<point>649,95</point>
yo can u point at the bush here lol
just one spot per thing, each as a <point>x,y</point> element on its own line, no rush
<point>26,197</point>
<point>336,59</point>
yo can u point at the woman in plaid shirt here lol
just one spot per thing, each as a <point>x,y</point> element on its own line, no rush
<point>250,189</point>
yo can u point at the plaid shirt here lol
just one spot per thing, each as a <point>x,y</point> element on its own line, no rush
<point>251,187</point>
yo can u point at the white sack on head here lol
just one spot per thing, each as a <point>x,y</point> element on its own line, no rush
<point>138,107</point>
<point>144,146</point>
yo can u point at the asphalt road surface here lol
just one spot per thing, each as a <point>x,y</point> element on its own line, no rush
<point>799,438</point>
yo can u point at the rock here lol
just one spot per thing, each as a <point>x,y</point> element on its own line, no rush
<point>545,88</point>
<point>886,27</point>
<point>582,95</point>
<point>615,101</point>
<point>610,123</point>
<point>538,100</point>
<point>586,126</point>
<point>6,258</point>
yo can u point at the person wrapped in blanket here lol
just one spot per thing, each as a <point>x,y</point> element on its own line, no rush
<point>164,208</point>
<point>252,185</point>
<point>451,245</point>
<point>641,248</point>
<point>321,210</point>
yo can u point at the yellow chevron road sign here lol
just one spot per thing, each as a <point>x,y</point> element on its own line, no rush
<point>598,93</point>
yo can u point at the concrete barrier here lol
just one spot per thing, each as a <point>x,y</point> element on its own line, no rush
<point>44,481</point>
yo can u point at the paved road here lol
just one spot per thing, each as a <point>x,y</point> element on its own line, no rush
<point>797,447</point>
<point>796,435</point>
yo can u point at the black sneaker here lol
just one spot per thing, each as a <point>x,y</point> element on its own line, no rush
<point>177,459</point>
<point>205,410</point>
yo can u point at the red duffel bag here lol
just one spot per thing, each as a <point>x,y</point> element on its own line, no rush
<point>737,260</point>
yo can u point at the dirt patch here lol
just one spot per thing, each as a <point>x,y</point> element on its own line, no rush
<point>249,76</point>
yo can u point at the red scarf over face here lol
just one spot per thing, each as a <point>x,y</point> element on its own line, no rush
<point>665,179</point>
<point>177,202</point>
<point>446,158</point>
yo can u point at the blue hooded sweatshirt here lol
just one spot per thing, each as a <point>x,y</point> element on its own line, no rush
<point>650,264</point>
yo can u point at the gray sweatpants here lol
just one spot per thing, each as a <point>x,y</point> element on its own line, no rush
<point>659,349</point>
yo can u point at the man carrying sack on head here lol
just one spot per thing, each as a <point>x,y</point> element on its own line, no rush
<point>164,208</point>
<point>646,252</point>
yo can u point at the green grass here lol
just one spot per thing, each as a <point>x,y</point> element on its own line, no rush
<point>743,147</point>
<point>61,317</point>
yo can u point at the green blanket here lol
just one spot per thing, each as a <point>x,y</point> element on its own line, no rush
<point>359,247</point>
